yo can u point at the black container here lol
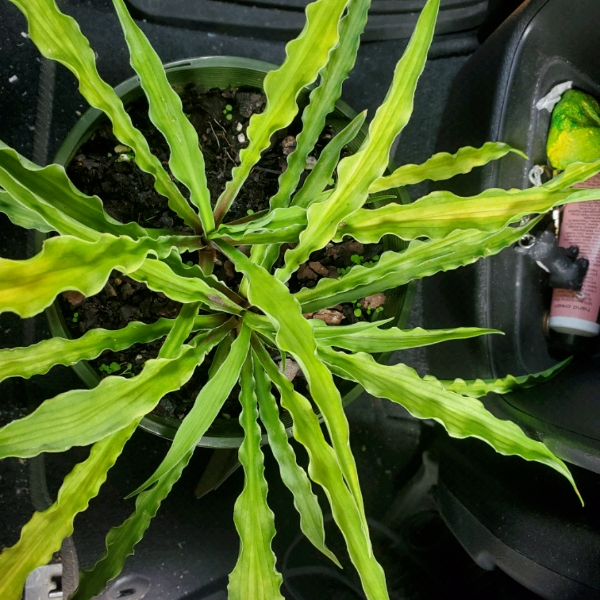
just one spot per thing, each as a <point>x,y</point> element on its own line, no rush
<point>506,512</point>
<point>543,43</point>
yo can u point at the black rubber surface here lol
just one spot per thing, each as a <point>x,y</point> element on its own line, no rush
<point>283,19</point>
<point>494,99</point>
<point>534,529</point>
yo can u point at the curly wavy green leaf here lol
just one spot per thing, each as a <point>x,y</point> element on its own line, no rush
<point>420,259</point>
<point>356,173</point>
<point>279,225</point>
<point>41,357</point>
<point>165,111</point>
<point>159,277</point>
<point>392,339</point>
<point>254,575</point>
<point>574,173</point>
<point>440,213</point>
<point>480,387</point>
<point>321,174</point>
<point>295,336</point>
<point>82,417</point>
<point>48,192</point>
<point>206,407</point>
<point>184,324</point>
<point>322,102</point>
<point>59,38</point>
<point>294,477</point>
<point>21,216</point>
<point>176,264</point>
<point>68,263</point>
<point>444,166</point>
<point>324,469</point>
<point>305,56</point>
<point>121,540</point>
<point>427,399</point>
<point>44,533</point>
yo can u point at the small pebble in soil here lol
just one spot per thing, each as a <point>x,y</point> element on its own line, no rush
<point>311,163</point>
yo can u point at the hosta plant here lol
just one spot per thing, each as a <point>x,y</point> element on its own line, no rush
<point>245,324</point>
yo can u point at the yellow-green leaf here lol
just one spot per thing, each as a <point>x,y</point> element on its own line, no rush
<point>59,38</point>
<point>323,99</point>
<point>427,399</point>
<point>324,469</point>
<point>165,111</point>
<point>440,213</point>
<point>295,336</point>
<point>254,575</point>
<point>68,263</point>
<point>420,259</point>
<point>293,476</point>
<point>206,407</point>
<point>48,192</point>
<point>392,339</point>
<point>41,357</point>
<point>82,417</point>
<point>305,56</point>
<point>357,173</point>
<point>444,166</point>
<point>44,533</point>
<point>481,387</point>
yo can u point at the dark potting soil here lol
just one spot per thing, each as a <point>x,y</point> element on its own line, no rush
<point>105,168</point>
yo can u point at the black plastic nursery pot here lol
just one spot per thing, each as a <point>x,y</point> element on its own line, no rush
<point>221,72</point>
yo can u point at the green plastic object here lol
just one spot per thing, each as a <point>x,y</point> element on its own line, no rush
<point>574,130</point>
<point>223,72</point>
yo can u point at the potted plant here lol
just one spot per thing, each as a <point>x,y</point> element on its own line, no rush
<point>262,317</point>
<point>209,73</point>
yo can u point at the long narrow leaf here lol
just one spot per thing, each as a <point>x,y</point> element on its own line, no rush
<point>261,324</point>
<point>321,174</point>
<point>392,339</point>
<point>165,111</point>
<point>159,277</point>
<point>254,575</point>
<point>440,213</point>
<point>41,357</point>
<point>293,476</point>
<point>305,56</point>
<point>420,259</point>
<point>44,533</point>
<point>357,173</point>
<point>281,224</point>
<point>59,38</point>
<point>82,417</point>
<point>121,540</point>
<point>574,173</point>
<point>22,216</point>
<point>184,324</point>
<point>176,264</point>
<point>295,336</point>
<point>206,407</point>
<point>323,99</point>
<point>480,387</point>
<point>444,166</point>
<point>427,399</point>
<point>68,263</point>
<point>324,469</point>
<point>48,192</point>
